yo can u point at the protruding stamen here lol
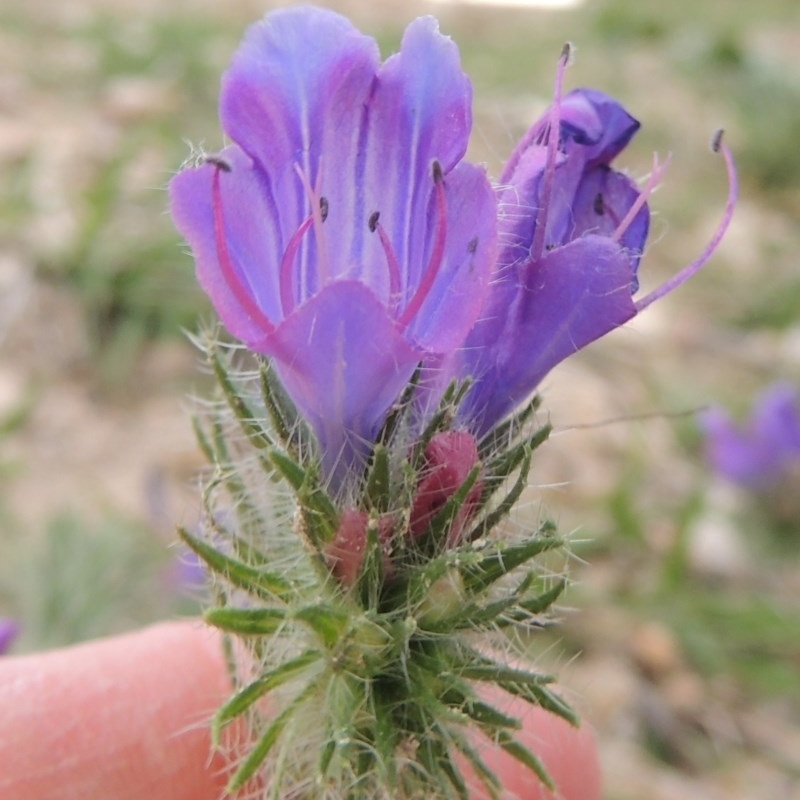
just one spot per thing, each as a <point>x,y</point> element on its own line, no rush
<point>437,255</point>
<point>717,145</point>
<point>242,294</point>
<point>553,137</point>
<point>287,262</point>
<point>656,176</point>
<point>391,257</point>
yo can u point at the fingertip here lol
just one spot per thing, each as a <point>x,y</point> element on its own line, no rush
<point>124,717</point>
<point>569,754</point>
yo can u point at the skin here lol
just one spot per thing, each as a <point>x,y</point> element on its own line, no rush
<point>126,718</point>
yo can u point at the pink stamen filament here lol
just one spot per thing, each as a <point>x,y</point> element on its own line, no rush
<point>391,257</point>
<point>287,290</point>
<point>437,255</point>
<point>554,134</point>
<point>691,269</point>
<point>323,270</point>
<point>656,176</point>
<point>242,294</point>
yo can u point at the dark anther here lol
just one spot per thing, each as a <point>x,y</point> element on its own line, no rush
<point>566,52</point>
<point>323,207</point>
<point>373,220</point>
<point>716,141</point>
<point>436,169</point>
<point>219,162</point>
<point>599,204</point>
<point>473,245</point>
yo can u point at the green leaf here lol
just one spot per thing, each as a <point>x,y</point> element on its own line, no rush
<point>378,489</point>
<point>501,560</point>
<point>255,432</point>
<point>504,435</point>
<point>526,757</point>
<point>543,601</point>
<point>280,408</point>
<point>251,693</point>
<point>246,621</point>
<point>493,518</point>
<point>267,741</point>
<point>329,623</point>
<point>258,582</point>
<point>486,776</point>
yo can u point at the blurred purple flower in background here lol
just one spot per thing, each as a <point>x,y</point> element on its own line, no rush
<point>9,630</point>
<point>341,234</point>
<point>763,449</point>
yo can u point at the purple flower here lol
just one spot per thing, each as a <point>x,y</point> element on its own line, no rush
<point>342,234</point>
<point>9,630</point>
<point>571,234</point>
<point>760,451</point>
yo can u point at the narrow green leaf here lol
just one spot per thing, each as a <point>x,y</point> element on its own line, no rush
<point>486,776</point>
<point>294,474</point>
<point>330,624</point>
<point>537,694</point>
<point>254,431</point>
<point>318,511</point>
<point>494,517</point>
<point>251,693</point>
<point>400,409</point>
<point>377,491</point>
<point>262,748</point>
<point>281,410</point>
<point>502,436</point>
<point>258,582</point>
<point>246,621</point>
<point>526,757</point>
<point>543,601</point>
<point>501,560</point>
<point>487,716</point>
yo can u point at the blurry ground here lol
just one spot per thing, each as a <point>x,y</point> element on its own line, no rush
<point>683,648</point>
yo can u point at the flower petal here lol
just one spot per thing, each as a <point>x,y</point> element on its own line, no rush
<point>459,290</point>
<point>294,98</point>
<point>573,295</point>
<point>348,364</point>
<point>419,113</point>
<point>250,240</point>
<point>598,122</point>
<point>602,200</point>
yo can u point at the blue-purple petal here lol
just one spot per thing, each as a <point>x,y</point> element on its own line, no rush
<point>348,364</point>
<point>251,240</point>
<point>420,112</point>
<point>458,293</point>
<point>572,296</point>
<point>294,99</point>
<point>598,122</point>
<point>602,200</point>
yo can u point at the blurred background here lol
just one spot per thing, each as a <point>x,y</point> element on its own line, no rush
<point>681,645</point>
